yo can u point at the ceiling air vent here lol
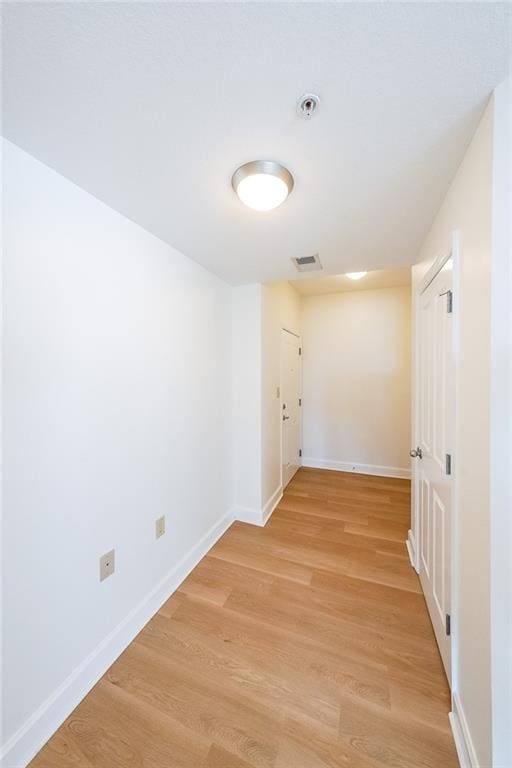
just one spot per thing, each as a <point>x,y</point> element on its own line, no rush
<point>307,263</point>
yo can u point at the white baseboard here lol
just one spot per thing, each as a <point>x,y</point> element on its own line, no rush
<point>35,732</point>
<point>411,549</point>
<point>272,504</point>
<point>463,742</point>
<point>363,469</point>
<point>248,515</point>
<point>259,516</point>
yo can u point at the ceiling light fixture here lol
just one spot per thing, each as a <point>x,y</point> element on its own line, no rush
<point>307,105</point>
<point>355,275</point>
<point>262,184</point>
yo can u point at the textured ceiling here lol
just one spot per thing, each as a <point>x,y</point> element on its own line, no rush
<point>382,278</point>
<point>151,107</point>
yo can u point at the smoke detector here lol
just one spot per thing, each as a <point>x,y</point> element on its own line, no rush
<point>307,263</point>
<point>307,105</point>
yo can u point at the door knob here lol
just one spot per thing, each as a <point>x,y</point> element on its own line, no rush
<point>416,453</point>
<point>285,418</point>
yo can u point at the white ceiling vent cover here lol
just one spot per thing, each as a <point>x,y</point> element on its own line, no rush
<point>307,263</point>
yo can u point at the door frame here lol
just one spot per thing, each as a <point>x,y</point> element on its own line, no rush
<point>414,537</point>
<point>299,337</point>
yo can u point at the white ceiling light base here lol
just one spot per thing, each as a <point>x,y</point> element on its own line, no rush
<point>262,184</point>
<point>308,105</point>
<point>355,275</point>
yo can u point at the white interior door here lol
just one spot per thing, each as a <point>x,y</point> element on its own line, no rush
<point>290,412</point>
<point>434,459</point>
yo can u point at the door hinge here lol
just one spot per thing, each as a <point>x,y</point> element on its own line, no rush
<point>449,301</point>
<point>448,464</point>
<point>300,350</point>
<point>300,452</point>
<point>448,624</point>
<point>300,400</point>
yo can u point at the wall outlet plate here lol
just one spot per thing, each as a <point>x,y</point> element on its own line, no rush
<point>107,564</point>
<point>160,526</point>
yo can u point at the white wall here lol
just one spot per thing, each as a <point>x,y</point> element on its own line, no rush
<point>356,380</point>
<point>501,431</point>
<point>246,371</point>
<point>116,405</point>
<point>467,208</point>
<point>280,309</point>
<point>259,314</point>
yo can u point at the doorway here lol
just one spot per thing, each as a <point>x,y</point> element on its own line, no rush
<point>290,405</point>
<point>433,465</point>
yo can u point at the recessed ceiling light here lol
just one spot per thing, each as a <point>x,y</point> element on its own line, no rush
<point>355,275</point>
<point>262,184</point>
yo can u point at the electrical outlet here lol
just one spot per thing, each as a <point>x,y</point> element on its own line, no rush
<point>160,526</point>
<point>107,564</point>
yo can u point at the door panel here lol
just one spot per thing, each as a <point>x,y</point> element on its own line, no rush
<point>425,523</point>
<point>439,381</point>
<point>438,581</point>
<point>435,437</point>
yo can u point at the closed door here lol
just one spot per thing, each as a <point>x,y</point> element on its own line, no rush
<point>433,455</point>
<point>290,413</point>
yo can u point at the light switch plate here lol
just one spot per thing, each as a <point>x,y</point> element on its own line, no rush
<point>160,526</point>
<point>107,564</point>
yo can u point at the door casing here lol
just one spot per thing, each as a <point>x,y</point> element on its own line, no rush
<point>281,400</point>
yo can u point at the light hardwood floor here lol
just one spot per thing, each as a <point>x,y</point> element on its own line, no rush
<point>304,644</point>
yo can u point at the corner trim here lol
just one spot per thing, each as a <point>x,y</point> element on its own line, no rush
<point>259,516</point>
<point>23,745</point>
<point>363,469</point>
<point>461,735</point>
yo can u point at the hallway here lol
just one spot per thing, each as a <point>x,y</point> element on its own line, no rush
<point>303,644</point>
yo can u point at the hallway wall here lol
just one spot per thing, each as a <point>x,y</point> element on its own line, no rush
<point>117,409</point>
<point>356,380</point>
<point>280,309</point>
<point>259,314</point>
<point>501,429</point>
<point>246,362</point>
<point>467,209</point>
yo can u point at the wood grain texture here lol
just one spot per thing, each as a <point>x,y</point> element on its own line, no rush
<point>303,644</point>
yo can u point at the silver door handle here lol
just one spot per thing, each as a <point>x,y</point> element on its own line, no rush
<point>416,453</point>
<point>285,417</point>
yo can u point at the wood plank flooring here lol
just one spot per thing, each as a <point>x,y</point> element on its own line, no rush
<point>304,644</point>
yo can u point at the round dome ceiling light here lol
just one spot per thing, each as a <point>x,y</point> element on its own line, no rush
<point>355,275</point>
<point>262,184</point>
